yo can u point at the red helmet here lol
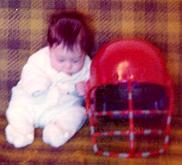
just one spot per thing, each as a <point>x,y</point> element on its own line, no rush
<point>130,90</point>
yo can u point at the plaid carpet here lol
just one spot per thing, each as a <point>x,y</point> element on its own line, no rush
<point>79,151</point>
<point>23,27</point>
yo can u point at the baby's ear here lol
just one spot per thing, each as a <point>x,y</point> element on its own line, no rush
<point>54,45</point>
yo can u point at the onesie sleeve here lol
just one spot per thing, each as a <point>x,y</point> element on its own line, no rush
<point>34,79</point>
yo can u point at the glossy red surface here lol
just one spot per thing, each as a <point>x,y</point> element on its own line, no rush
<point>120,61</point>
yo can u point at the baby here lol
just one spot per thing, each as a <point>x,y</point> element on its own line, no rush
<point>50,92</point>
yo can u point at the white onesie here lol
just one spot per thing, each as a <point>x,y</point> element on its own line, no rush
<point>45,98</point>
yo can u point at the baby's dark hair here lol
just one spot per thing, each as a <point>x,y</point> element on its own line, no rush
<point>70,28</point>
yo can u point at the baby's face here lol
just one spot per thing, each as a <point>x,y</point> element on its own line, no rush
<point>66,60</point>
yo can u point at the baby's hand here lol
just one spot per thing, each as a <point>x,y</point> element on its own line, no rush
<point>80,88</point>
<point>65,88</point>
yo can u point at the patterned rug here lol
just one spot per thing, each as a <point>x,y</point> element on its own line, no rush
<point>79,151</point>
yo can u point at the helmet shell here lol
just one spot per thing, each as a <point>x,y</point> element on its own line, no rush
<point>128,59</point>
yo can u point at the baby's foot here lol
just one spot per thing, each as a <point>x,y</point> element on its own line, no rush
<point>55,136</point>
<point>17,138</point>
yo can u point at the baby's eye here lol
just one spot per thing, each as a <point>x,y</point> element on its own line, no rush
<point>75,61</point>
<point>61,60</point>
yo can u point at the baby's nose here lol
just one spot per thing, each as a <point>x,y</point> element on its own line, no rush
<point>68,67</point>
